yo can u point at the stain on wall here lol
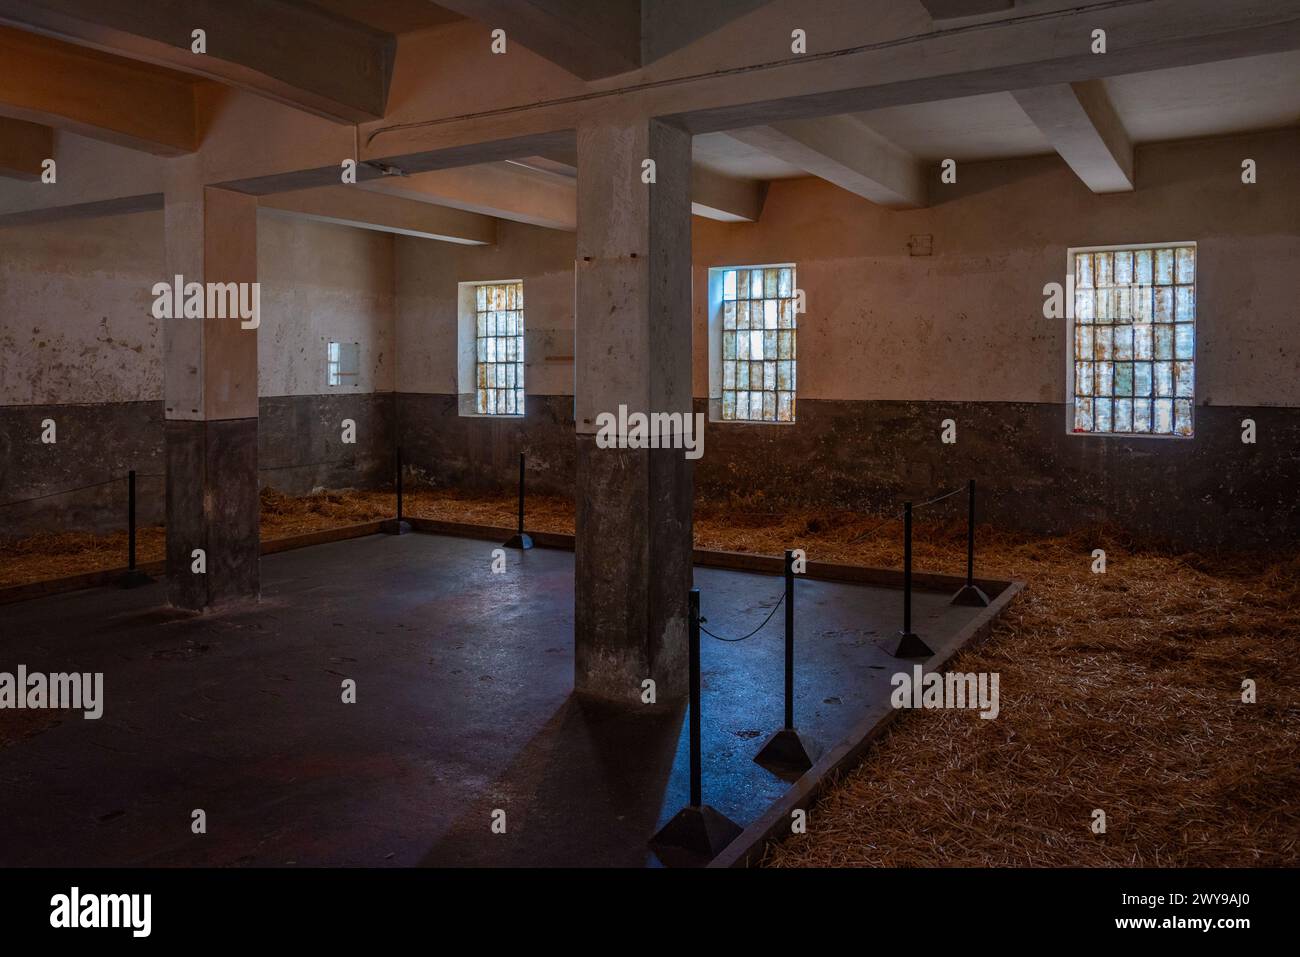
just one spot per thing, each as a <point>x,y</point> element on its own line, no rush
<point>80,346</point>
<point>321,282</point>
<point>427,278</point>
<point>75,311</point>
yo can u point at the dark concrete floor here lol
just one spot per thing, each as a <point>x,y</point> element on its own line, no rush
<point>463,707</point>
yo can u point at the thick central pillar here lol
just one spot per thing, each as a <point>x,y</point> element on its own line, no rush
<point>210,391</point>
<point>633,349</point>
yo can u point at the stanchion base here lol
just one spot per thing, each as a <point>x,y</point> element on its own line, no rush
<point>523,541</point>
<point>134,578</point>
<point>908,645</point>
<point>396,527</point>
<point>695,836</point>
<point>970,596</point>
<point>788,754</point>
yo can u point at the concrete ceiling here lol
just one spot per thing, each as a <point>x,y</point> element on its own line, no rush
<point>991,126</point>
<point>1233,96</point>
<point>390,16</point>
<point>1212,99</point>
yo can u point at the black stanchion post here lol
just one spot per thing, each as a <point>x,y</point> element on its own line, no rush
<point>787,753</point>
<point>398,525</point>
<point>519,539</point>
<point>789,640</point>
<point>133,577</point>
<point>697,833</point>
<point>907,568</point>
<point>130,520</point>
<point>908,643</point>
<point>693,668</point>
<point>969,594</point>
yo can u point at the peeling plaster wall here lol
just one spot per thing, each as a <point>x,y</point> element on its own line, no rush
<point>75,320</point>
<point>427,277</point>
<point>320,282</point>
<point>78,344</point>
<point>75,301</point>
<point>323,282</point>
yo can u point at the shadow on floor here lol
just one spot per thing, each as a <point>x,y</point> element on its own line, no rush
<point>572,796</point>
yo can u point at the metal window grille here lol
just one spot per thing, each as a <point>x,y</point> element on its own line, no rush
<point>758,344</point>
<point>1133,352</point>
<point>499,341</point>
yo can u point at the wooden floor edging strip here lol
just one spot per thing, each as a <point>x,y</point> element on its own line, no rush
<point>58,586</point>
<point>735,561</point>
<point>708,558</point>
<point>109,576</point>
<point>774,825</point>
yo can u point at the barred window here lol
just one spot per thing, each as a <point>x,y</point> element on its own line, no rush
<point>1133,348</point>
<point>499,344</point>
<point>758,344</point>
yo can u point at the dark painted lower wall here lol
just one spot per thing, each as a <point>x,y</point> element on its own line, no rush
<point>95,443</point>
<point>1211,490</point>
<point>300,442</point>
<point>299,446</point>
<point>442,447</point>
<point>1033,475</point>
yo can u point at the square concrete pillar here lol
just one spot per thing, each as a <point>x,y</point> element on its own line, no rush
<point>210,392</point>
<point>633,348</point>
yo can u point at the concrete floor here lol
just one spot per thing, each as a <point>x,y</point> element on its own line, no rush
<point>463,707</point>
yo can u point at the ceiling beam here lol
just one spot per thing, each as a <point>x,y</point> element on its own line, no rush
<point>66,87</point>
<point>548,164</point>
<point>502,190</point>
<point>590,40</point>
<point>91,173</point>
<point>844,151</point>
<point>148,202</point>
<point>371,209</point>
<point>1082,126</point>
<point>23,148</point>
<point>297,54</point>
<point>725,198</point>
<point>713,195</point>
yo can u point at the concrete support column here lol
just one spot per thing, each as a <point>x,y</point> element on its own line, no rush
<point>633,348</point>
<point>210,391</point>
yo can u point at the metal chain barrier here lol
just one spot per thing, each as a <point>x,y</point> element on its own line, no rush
<point>66,491</point>
<point>778,604</point>
<point>939,498</point>
<point>873,529</point>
